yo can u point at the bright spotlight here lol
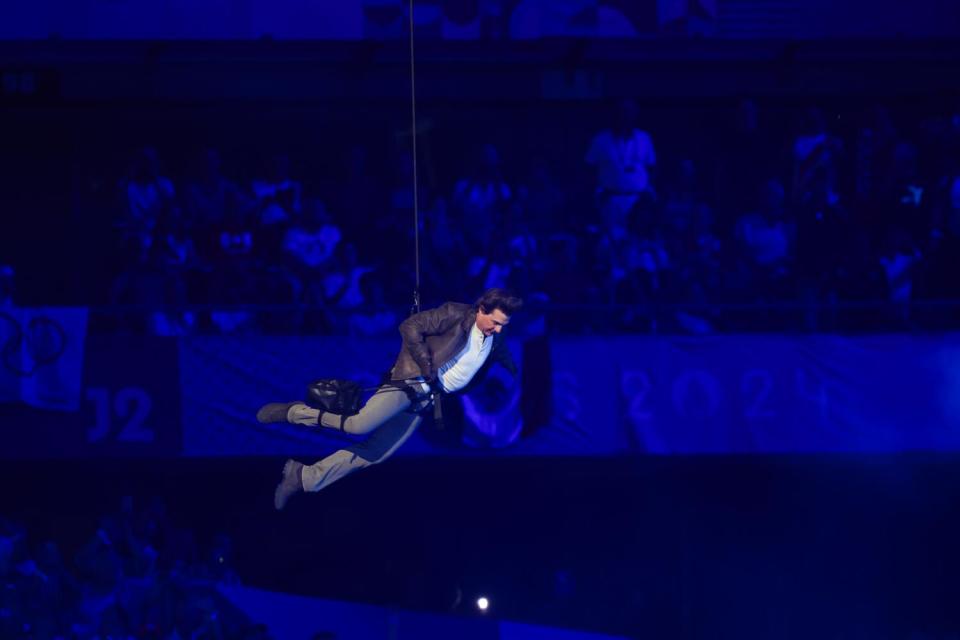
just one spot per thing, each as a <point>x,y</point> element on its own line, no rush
<point>483,604</point>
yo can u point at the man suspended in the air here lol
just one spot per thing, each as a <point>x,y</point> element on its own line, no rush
<point>444,350</point>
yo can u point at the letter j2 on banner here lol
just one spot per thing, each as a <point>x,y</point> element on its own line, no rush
<point>129,405</point>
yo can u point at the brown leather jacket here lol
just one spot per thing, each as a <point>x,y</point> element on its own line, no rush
<point>432,337</point>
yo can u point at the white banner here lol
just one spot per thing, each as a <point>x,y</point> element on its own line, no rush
<point>41,356</point>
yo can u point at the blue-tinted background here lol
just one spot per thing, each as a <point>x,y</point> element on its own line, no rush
<point>737,407</point>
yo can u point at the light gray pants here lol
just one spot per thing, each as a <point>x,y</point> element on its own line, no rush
<point>384,414</point>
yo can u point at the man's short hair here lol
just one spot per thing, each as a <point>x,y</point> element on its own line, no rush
<point>502,299</point>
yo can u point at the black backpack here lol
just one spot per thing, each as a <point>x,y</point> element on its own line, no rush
<point>335,396</point>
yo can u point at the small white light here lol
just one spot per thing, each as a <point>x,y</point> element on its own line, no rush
<point>483,604</point>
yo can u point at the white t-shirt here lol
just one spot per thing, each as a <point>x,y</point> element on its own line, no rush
<point>312,248</point>
<point>459,370</point>
<point>352,296</point>
<point>144,200</point>
<point>898,268</point>
<point>479,197</point>
<point>803,146</point>
<point>274,211</point>
<point>768,242</point>
<point>622,162</point>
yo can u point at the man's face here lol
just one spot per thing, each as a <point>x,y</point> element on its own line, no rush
<point>493,322</point>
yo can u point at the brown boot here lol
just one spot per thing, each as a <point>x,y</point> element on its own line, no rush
<point>275,412</point>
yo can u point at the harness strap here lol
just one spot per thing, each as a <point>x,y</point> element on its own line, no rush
<point>416,397</point>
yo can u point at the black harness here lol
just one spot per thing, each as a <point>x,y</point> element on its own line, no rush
<point>342,397</point>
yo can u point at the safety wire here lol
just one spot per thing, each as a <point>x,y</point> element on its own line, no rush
<point>416,201</point>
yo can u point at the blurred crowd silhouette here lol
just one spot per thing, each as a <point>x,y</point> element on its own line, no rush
<point>139,575</point>
<point>664,223</point>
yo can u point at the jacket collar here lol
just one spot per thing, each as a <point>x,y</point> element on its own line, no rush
<point>469,319</point>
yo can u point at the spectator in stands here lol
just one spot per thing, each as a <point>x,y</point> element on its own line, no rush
<point>816,160</point>
<point>746,152</point>
<point>148,196</point>
<point>823,225</point>
<point>277,194</point>
<point>159,283</point>
<point>106,596</point>
<point>443,264</point>
<point>643,268</point>
<point>173,257</point>
<point>900,259</point>
<point>565,281</point>
<point>396,220</point>
<point>482,198</point>
<point>507,262</point>
<point>546,18</point>
<point>764,242</point>
<point>624,159</point>
<point>100,567</point>
<point>210,197</point>
<point>696,278</point>
<point>542,200</point>
<point>342,282</point>
<point>873,155</point>
<point>360,193</point>
<point>11,622</point>
<point>682,199</point>
<point>341,290</point>
<point>311,241</point>
<point>944,241</point>
<point>374,318</point>
<point>501,266</point>
<point>231,259</point>
<point>56,592</point>
<point>309,245</point>
<point>905,198</point>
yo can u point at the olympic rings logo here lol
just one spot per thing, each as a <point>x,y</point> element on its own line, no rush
<point>45,340</point>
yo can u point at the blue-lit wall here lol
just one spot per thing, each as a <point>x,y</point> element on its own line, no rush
<point>582,396</point>
<point>460,20</point>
